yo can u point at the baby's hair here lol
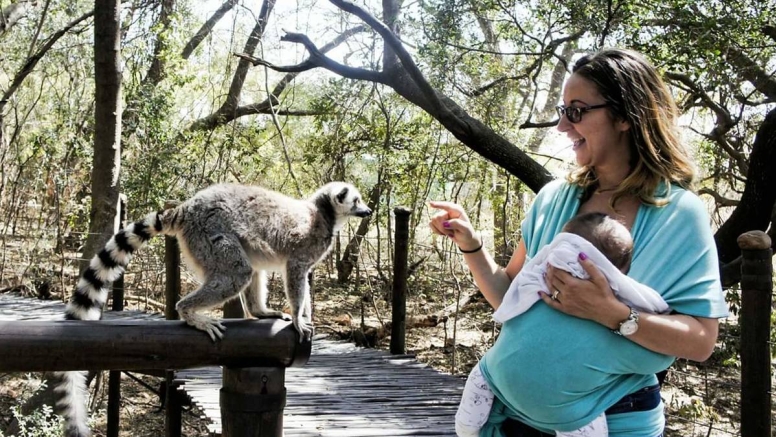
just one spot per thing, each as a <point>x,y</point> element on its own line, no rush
<point>608,235</point>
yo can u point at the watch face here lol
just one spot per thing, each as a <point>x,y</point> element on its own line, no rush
<point>629,327</point>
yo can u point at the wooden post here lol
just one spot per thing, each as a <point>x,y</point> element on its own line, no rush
<point>399,303</point>
<point>756,289</point>
<point>172,266</point>
<point>117,301</point>
<point>173,407</point>
<point>252,402</point>
<point>173,404</point>
<point>114,376</point>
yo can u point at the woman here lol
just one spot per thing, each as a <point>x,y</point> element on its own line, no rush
<point>585,353</point>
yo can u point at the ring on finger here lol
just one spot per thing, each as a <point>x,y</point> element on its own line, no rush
<point>555,294</point>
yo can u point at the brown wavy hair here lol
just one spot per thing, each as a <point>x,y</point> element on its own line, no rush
<point>636,93</point>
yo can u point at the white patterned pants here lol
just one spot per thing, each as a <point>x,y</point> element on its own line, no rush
<point>477,400</point>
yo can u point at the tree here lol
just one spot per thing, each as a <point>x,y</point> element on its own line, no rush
<point>107,127</point>
<point>401,73</point>
<point>10,16</point>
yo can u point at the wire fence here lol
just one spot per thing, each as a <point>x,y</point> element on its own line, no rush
<point>41,259</point>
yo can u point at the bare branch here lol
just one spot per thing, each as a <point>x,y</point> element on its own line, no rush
<point>407,80</point>
<point>724,122</point>
<point>488,86</point>
<point>207,28</point>
<point>33,60</point>
<point>406,60</point>
<point>719,199</point>
<point>746,101</point>
<point>548,51</point>
<point>319,59</point>
<point>722,113</point>
<point>225,115</point>
<point>534,125</point>
<point>298,68</point>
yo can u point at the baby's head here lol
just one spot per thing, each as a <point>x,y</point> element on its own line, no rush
<point>608,235</point>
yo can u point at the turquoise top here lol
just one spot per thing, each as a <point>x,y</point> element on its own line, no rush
<point>557,372</point>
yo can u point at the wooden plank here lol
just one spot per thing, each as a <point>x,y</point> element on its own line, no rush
<point>348,391</point>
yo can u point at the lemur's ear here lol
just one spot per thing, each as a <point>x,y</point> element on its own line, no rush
<point>342,194</point>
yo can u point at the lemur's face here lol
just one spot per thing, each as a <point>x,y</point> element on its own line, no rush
<point>348,202</point>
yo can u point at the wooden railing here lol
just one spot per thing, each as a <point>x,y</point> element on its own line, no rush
<point>254,354</point>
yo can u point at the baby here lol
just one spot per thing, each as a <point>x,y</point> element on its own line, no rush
<point>609,245</point>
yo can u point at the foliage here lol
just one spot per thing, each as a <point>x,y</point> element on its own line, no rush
<point>696,409</point>
<point>40,423</point>
<point>493,57</point>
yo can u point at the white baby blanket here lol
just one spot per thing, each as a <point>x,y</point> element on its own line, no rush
<point>563,253</point>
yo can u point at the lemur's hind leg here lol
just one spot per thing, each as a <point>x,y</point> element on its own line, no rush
<point>297,293</point>
<point>226,271</point>
<point>256,298</point>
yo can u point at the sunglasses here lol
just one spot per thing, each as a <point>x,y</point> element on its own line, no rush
<point>574,113</point>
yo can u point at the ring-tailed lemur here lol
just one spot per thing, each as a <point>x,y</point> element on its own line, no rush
<point>229,235</point>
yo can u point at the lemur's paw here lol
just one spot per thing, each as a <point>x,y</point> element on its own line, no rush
<point>304,328</point>
<point>212,327</point>
<point>270,314</point>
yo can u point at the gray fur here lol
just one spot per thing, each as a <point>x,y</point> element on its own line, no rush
<point>230,235</point>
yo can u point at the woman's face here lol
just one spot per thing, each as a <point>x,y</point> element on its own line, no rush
<point>598,139</point>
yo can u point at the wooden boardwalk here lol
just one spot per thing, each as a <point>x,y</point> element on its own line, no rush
<point>343,390</point>
<point>349,391</point>
<point>14,307</point>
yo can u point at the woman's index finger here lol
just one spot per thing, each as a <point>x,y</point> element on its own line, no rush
<point>447,206</point>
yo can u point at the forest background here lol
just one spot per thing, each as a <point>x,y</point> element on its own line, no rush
<point>409,100</point>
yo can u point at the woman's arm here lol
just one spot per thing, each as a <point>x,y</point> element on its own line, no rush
<point>492,280</point>
<point>678,335</point>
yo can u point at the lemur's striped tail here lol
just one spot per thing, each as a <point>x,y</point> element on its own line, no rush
<point>87,302</point>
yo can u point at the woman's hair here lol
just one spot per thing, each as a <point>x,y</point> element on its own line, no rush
<point>636,93</point>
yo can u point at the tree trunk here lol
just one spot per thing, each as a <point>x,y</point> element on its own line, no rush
<point>757,202</point>
<point>553,94</point>
<point>106,163</point>
<point>349,259</point>
<point>501,193</point>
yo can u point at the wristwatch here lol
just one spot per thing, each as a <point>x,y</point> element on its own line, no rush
<point>630,325</point>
